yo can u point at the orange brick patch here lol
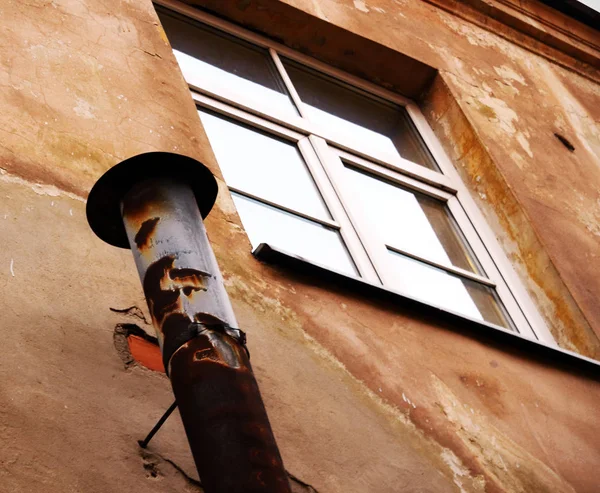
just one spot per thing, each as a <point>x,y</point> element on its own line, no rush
<point>145,353</point>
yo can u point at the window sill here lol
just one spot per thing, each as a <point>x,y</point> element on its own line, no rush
<point>486,332</point>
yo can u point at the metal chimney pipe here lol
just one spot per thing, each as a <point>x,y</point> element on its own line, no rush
<point>154,203</point>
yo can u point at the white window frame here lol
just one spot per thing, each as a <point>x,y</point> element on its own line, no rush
<point>324,152</point>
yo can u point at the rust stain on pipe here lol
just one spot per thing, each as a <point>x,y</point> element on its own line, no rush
<point>143,235</point>
<point>166,288</point>
<point>226,421</point>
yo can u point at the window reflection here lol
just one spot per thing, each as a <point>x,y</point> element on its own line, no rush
<point>263,165</point>
<point>446,290</point>
<point>410,221</point>
<point>312,241</point>
<point>383,127</point>
<point>223,64</point>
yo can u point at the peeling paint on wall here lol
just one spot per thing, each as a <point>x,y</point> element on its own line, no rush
<point>83,109</point>
<point>509,466</point>
<point>361,5</point>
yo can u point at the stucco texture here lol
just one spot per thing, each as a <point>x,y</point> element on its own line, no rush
<point>362,397</point>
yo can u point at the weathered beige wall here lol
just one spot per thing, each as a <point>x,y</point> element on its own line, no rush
<point>362,397</point>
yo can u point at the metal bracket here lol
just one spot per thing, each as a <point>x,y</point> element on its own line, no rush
<point>238,334</point>
<point>144,443</point>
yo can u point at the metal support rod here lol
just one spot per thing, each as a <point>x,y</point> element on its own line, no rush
<point>204,354</point>
<point>144,443</point>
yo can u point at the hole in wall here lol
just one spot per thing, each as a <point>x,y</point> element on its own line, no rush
<point>564,141</point>
<point>151,470</point>
<point>158,467</point>
<point>135,347</point>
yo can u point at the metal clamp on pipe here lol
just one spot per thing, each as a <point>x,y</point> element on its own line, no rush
<point>238,334</point>
<point>154,204</point>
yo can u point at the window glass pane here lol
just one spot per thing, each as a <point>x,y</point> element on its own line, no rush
<point>446,290</point>
<point>224,64</point>
<point>369,121</point>
<point>410,221</point>
<point>263,165</point>
<point>310,240</point>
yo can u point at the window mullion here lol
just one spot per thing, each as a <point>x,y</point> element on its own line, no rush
<point>374,251</point>
<point>288,82</point>
<point>448,268</point>
<point>394,176</point>
<point>318,169</point>
<point>295,212</point>
<point>245,116</point>
<point>235,107</point>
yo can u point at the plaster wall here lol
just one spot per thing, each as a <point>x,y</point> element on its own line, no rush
<point>362,397</point>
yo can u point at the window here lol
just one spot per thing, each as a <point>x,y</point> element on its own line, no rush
<point>342,173</point>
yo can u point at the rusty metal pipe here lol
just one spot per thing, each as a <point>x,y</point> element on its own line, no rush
<point>179,272</point>
<point>205,356</point>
